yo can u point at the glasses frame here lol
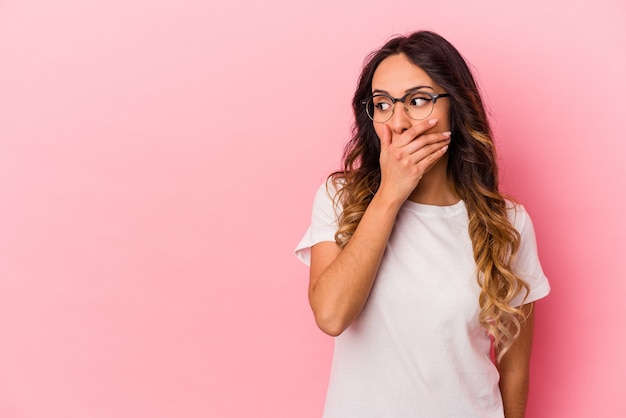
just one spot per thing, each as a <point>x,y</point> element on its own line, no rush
<point>394,100</point>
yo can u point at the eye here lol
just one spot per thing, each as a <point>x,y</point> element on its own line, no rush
<point>382,103</point>
<point>418,100</point>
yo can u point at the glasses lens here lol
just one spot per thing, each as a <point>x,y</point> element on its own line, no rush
<point>379,108</point>
<point>419,105</point>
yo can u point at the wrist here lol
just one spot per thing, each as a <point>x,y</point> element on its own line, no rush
<point>386,202</point>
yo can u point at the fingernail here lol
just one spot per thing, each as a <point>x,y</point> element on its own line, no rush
<point>447,134</point>
<point>432,121</point>
<point>445,148</point>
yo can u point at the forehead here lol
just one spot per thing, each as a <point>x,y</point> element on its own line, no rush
<point>396,74</point>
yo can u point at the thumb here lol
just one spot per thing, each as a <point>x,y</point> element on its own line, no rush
<point>385,138</point>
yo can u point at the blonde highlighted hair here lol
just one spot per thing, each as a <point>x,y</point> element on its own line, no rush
<point>472,170</point>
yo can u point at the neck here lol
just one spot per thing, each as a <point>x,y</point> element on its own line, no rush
<point>434,188</point>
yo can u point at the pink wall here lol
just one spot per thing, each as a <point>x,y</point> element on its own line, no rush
<point>157,164</point>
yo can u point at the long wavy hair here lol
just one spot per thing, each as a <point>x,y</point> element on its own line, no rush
<point>472,171</point>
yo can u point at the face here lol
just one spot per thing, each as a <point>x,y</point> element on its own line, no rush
<point>395,76</point>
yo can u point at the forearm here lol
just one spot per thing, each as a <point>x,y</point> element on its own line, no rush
<point>514,368</point>
<point>338,293</point>
<point>514,389</point>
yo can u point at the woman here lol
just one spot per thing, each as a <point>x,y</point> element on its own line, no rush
<point>418,264</point>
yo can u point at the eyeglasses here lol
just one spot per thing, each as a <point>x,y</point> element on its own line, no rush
<point>417,104</point>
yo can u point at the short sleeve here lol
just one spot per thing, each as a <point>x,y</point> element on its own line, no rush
<point>527,265</point>
<point>323,222</point>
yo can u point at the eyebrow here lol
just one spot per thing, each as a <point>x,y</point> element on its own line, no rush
<point>406,91</point>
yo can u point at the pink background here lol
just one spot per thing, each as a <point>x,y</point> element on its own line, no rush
<point>158,162</point>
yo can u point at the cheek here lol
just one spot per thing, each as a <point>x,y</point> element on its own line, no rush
<point>443,117</point>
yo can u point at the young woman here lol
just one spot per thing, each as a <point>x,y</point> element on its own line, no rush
<point>418,264</point>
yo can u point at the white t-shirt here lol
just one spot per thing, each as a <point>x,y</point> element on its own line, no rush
<point>417,348</point>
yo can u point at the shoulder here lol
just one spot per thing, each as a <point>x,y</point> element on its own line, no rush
<point>518,216</point>
<point>327,203</point>
<point>329,190</point>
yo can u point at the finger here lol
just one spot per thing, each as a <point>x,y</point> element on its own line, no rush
<point>435,152</point>
<point>415,131</point>
<point>426,140</point>
<point>420,151</point>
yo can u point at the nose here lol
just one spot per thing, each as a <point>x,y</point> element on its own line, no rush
<point>399,121</point>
